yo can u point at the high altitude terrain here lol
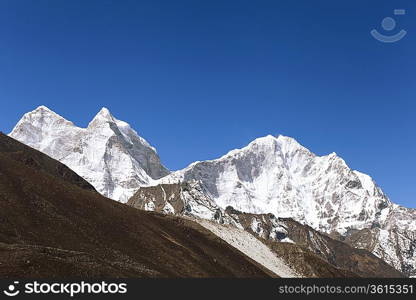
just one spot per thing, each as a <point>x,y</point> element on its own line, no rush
<point>108,153</point>
<point>55,225</point>
<point>278,175</point>
<point>272,175</point>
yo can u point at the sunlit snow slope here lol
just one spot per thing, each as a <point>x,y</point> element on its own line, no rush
<point>278,175</point>
<point>271,175</point>
<point>108,153</point>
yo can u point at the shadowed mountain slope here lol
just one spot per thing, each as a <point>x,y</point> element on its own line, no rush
<point>53,224</point>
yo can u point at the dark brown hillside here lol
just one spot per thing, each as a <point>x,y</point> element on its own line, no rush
<point>53,224</point>
<point>39,161</point>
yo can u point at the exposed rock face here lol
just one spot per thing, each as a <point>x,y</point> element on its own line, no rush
<point>182,199</point>
<point>271,175</point>
<point>108,153</point>
<point>393,245</point>
<point>277,175</point>
<point>54,225</point>
<point>337,253</point>
<point>312,254</point>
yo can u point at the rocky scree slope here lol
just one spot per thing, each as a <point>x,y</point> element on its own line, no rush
<point>307,252</point>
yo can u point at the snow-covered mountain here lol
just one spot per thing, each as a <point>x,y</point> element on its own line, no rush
<point>278,175</point>
<point>108,153</point>
<point>271,175</point>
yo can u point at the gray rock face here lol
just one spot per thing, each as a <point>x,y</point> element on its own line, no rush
<point>277,175</point>
<point>336,253</point>
<point>273,175</point>
<point>181,199</point>
<point>188,199</point>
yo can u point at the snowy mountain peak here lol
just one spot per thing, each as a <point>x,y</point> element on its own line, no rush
<point>42,108</point>
<point>43,111</point>
<point>105,112</point>
<point>35,127</point>
<point>278,143</point>
<point>265,139</point>
<point>108,153</point>
<point>286,140</point>
<point>289,144</point>
<point>278,175</point>
<point>42,114</point>
<point>104,116</point>
<point>272,174</point>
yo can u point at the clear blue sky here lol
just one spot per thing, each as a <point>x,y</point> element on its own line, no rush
<point>199,78</point>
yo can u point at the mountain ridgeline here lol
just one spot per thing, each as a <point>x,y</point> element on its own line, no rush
<point>271,175</point>
<point>55,225</point>
<point>108,153</point>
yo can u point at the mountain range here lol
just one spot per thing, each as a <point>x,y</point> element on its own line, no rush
<point>55,225</point>
<point>108,153</point>
<point>274,189</point>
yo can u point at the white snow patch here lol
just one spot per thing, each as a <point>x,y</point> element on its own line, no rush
<point>168,209</point>
<point>150,206</point>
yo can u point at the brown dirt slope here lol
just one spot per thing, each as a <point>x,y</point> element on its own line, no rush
<point>54,225</point>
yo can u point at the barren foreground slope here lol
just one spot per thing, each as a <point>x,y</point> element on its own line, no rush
<point>53,224</point>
